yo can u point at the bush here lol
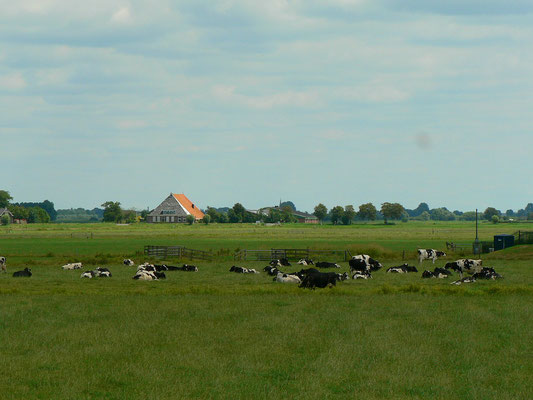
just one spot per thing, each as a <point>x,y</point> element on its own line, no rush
<point>190,219</point>
<point>5,220</point>
<point>495,219</point>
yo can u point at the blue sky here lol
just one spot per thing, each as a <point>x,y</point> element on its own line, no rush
<point>340,102</point>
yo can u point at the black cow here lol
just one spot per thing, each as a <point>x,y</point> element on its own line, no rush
<point>160,267</point>
<point>324,264</point>
<point>26,273</point>
<point>319,279</point>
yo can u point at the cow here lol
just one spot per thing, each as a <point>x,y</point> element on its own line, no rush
<point>306,261</point>
<point>146,267</point>
<point>487,273</point>
<point>467,279</point>
<point>282,262</point>
<point>145,276</point>
<point>358,265</point>
<point>441,272</point>
<point>373,265</point>
<point>325,264</point>
<point>88,274</point>
<point>428,274</point>
<point>272,271</point>
<point>103,272</point>
<point>71,266</point>
<point>128,262</point>
<point>286,278</point>
<point>25,273</point>
<point>465,264</point>
<point>402,269</point>
<point>429,254</point>
<point>319,279</point>
<point>160,267</point>
<point>3,264</point>
<point>342,277</point>
<point>362,275</point>
<point>242,270</point>
<point>190,268</point>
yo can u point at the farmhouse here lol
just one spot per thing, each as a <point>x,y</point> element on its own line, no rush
<point>302,217</point>
<point>5,211</point>
<point>175,209</point>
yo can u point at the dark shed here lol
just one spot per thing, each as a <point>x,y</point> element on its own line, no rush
<point>503,241</point>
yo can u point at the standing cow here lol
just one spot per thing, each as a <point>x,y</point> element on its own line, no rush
<point>429,254</point>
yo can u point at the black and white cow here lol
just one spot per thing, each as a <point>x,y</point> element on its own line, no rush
<point>286,278</point>
<point>319,279</point>
<point>343,277</point>
<point>128,262</point>
<point>487,273</point>
<point>362,275</point>
<point>467,279</point>
<point>88,274</point>
<point>242,270</point>
<point>429,254</point>
<point>439,273</point>
<point>3,264</point>
<point>428,274</point>
<point>272,271</point>
<point>306,261</point>
<point>325,264</point>
<point>282,262</point>
<point>189,268</point>
<point>103,272</point>
<point>358,266</point>
<point>145,276</point>
<point>26,273</point>
<point>402,269</point>
<point>372,264</point>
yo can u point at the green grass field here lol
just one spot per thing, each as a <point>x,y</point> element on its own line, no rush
<point>214,334</point>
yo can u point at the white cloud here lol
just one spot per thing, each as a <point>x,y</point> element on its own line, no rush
<point>122,16</point>
<point>281,99</point>
<point>13,81</point>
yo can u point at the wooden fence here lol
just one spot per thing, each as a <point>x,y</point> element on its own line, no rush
<point>292,255</point>
<point>177,252</point>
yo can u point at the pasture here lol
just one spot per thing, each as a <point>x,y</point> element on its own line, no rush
<point>215,334</point>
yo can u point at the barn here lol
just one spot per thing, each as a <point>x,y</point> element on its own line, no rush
<point>174,209</point>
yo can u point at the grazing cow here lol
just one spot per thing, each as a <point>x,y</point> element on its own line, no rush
<point>306,261</point>
<point>319,279</point>
<point>3,264</point>
<point>71,266</point>
<point>402,269</point>
<point>467,279</point>
<point>324,264</point>
<point>26,273</point>
<point>373,265</point>
<point>429,254</point>
<point>286,278</point>
<point>128,262</point>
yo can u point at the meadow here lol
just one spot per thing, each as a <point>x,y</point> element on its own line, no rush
<point>213,334</point>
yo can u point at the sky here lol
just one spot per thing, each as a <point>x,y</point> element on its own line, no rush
<point>338,102</point>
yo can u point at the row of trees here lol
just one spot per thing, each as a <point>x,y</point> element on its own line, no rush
<point>347,214</point>
<point>31,212</point>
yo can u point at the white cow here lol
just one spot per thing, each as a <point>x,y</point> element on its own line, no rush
<point>286,278</point>
<point>3,264</point>
<point>72,266</point>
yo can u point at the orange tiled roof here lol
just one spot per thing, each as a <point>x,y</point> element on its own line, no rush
<point>188,205</point>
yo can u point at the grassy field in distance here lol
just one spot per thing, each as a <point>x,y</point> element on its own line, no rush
<point>215,334</point>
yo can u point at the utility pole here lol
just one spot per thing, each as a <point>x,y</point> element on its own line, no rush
<point>477,249</point>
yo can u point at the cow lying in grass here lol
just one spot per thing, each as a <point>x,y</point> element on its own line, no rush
<point>439,273</point>
<point>286,278</point>
<point>3,264</point>
<point>325,264</point>
<point>282,262</point>
<point>306,261</point>
<point>71,266</point>
<point>402,269</point>
<point>487,273</point>
<point>361,275</point>
<point>242,270</point>
<point>98,272</point>
<point>369,262</point>
<point>25,273</point>
<point>128,262</point>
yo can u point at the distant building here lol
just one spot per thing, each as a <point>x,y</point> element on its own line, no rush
<point>5,211</point>
<point>174,209</point>
<point>302,217</point>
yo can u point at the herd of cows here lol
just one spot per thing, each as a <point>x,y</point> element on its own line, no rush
<point>361,267</point>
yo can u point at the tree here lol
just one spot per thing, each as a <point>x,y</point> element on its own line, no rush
<point>144,214</point>
<point>392,211</point>
<point>38,215</point>
<point>529,208</point>
<point>190,219</point>
<point>489,212</point>
<point>419,210</point>
<point>425,216</point>
<point>232,216</point>
<point>206,219</point>
<point>4,220</point>
<point>273,216</point>
<point>19,212</point>
<point>289,204</point>
<point>129,216</point>
<point>239,211</point>
<point>112,211</point>
<point>469,216</point>
<point>286,214</point>
<point>213,214</point>
<point>367,212</point>
<point>509,213</point>
<point>320,212</point>
<point>495,219</point>
<point>4,198</point>
<point>348,215</point>
<point>336,214</point>
<point>442,214</point>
